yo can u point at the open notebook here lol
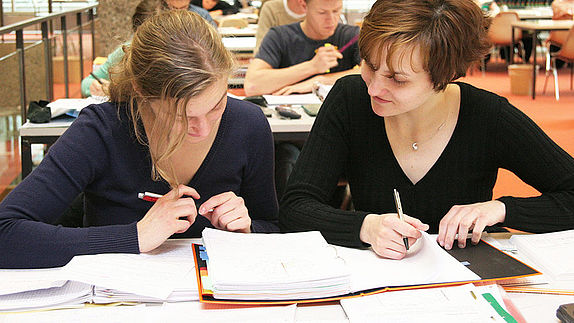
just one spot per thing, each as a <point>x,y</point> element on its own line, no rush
<point>302,267</point>
<point>165,274</point>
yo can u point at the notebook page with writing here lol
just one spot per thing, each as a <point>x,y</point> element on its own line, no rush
<point>425,263</point>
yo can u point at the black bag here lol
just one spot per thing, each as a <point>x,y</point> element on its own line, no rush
<point>39,112</point>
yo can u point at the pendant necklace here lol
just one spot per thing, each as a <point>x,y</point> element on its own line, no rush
<point>415,144</point>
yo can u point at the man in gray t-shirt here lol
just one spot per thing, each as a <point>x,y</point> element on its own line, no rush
<point>293,57</point>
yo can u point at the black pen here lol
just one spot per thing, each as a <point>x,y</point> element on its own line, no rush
<point>97,78</point>
<point>401,215</point>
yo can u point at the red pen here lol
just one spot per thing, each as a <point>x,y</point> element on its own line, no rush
<point>148,196</point>
<point>153,197</point>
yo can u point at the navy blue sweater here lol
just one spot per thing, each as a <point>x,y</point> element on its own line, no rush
<point>99,155</point>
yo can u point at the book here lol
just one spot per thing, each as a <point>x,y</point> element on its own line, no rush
<point>247,261</point>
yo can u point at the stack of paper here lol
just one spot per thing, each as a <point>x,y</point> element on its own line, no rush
<point>274,266</point>
<point>71,294</point>
<point>550,252</point>
<point>166,274</point>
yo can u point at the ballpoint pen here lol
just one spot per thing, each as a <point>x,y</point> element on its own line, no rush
<point>96,78</point>
<point>150,197</point>
<point>400,213</point>
<point>153,197</point>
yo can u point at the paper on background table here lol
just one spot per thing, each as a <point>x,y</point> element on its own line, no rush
<point>63,106</point>
<point>441,305</point>
<point>308,98</point>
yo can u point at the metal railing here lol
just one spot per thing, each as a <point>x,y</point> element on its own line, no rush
<point>46,23</point>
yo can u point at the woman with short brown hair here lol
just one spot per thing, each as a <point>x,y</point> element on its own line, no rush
<point>405,124</point>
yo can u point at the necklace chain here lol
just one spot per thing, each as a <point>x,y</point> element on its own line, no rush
<point>415,143</point>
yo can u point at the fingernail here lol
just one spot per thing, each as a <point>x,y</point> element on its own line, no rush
<point>441,243</point>
<point>201,211</point>
<point>447,246</point>
<point>460,245</point>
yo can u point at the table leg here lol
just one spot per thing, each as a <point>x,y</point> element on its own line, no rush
<point>512,46</point>
<point>534,74</point>
<point>26,157</point>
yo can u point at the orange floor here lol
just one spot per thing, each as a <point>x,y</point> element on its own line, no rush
<point>555,117</point>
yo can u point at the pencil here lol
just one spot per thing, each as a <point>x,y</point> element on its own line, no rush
<point>97,78</point>
<point>401,215</point>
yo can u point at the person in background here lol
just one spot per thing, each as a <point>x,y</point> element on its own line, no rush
<point>278,13</point>
<point>169,128</point>
<point>186,4</point>
<point>561,10</point>
<point>90,86</point>
<point>405,124</point>
<point>293,57</point>
<point>216,7</point>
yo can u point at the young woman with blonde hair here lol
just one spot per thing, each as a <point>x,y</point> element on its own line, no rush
<point>169,129</point>
<point>405,124</point>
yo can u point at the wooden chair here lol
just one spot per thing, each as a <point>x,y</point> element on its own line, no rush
<point>500,32</point>
<point>566,54</point>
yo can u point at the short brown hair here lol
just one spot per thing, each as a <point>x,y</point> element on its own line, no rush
<point>451,35</point>
<point>174,56</point>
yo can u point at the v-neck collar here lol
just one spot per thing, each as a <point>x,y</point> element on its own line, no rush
<point>223,124</point>
<point>443,154</point>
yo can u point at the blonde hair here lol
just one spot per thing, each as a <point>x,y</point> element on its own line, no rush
<point>173,57</point>
<point>451,35</point>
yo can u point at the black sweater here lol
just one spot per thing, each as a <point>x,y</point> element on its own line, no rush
<point>349,139</point>
<point>225,7</point>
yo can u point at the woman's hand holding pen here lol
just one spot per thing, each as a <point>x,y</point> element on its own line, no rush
<point>170,214</point>
<point>227,211</point>
<point>99,88</point>
<point>462,218</point>
<point>385,232</point>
